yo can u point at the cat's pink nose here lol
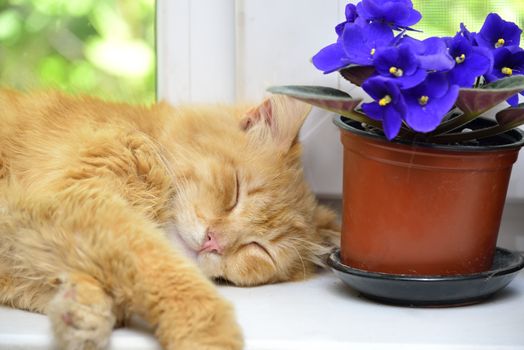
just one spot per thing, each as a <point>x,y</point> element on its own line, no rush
<point>211,244</point>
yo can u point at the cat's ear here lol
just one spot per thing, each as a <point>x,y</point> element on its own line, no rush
<point>277,120</point>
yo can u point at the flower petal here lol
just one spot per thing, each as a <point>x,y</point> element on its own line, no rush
<point>407,81</point>
<point>376,87</point>
<point>443,105</point>
<point>427,118</point>
<point>391,123</point>
<point>373,110</point>
<point>351,12</point>
<point>353,43</point>
<point>513,100</point>
<point>417,46</point>
<point>421,120</point>
<point>435,55</point>
<point>395,12</point>
<point>488,32</point>
<point>479,61</point>
<point>331,58</point>
<point>377,34</point>
<point>359,41</point>
<point>495,28</point>
<point>413,18</point>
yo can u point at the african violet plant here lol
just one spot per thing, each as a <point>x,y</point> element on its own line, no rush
<point>432,87</point>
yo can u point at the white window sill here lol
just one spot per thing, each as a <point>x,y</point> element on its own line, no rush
<point>322,314</point>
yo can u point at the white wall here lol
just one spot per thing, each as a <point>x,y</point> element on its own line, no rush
<point>232,50</point>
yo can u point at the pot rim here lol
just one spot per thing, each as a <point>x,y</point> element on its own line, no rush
<point>516,134</point>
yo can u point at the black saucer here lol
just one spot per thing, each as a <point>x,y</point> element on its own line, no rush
<point>431,290</point>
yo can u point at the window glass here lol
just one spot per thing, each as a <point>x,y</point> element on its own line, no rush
<point>443,17</point>
<point>100,47</point>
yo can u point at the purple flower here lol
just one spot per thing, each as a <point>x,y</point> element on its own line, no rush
<point>356,45</point>
<point>398,13</point>
<point>469,36</point>
<point>470,61</point>
<point>331,58</point>
<point>432,53</point>
<point>388,107</point>
<point>400,64</point>
<point>428,102</point>
<point>507,62</point>
<point>497,32</point>
<point>362,42</point>
<point>351,16</point>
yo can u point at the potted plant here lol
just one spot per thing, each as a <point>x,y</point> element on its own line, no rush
<point>427,159</point>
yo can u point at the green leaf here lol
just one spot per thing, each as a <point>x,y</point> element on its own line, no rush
<point>478,101</point>
<point>511,117</point>
<point>507,119</point>
<point>309,91</point>
<point>474,102</point>
<point>515,81</point>
<point>327,98</point>
<point>466,136</point>
<point>357,74</point>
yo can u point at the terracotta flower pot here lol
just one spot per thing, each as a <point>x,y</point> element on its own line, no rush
<point>423,209</point>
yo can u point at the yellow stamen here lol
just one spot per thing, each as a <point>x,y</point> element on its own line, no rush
<point>500,43</point>
<point>423,100</point>
<point>460,59</point>
<point>373,52</point>
<point>396,71</point>
<point>507,71</point>
<point>384,101</point>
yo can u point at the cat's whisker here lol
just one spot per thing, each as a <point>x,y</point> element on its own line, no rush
<point>301,261</point>
<point>317,251</point>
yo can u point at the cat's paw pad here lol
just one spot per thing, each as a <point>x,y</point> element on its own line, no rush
<point>81,317</point>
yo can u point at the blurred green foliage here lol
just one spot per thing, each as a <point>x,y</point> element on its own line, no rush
<point>443,17</point>
<point>104,48</point>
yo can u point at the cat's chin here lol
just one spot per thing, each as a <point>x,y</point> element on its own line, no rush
<point>210,264</point>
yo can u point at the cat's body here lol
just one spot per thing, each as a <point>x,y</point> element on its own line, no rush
<point>101,204</point>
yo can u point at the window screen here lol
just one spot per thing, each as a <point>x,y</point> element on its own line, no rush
<point>443,17</point>
<point>99,47</point>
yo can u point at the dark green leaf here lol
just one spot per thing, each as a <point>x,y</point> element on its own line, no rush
<point>466,136</point>
<point>475,101</point>
<point>511,117</point>
<point>327,98</point>
<point>357,74</point>
<point>309,91</point>
<point>478,101</point>
<point>507,119</point>
<point>513,82</point>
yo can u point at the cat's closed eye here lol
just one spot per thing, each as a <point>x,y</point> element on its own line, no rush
<point>259,248</point>
<point>235,195</point>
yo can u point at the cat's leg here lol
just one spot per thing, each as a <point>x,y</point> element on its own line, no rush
<point>143,273</point>
<point>184,306</point>
<point>81,314</point>
<point>100,221</point>
<point>134,262</point>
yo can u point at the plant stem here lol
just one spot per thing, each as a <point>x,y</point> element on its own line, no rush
<point>471,135</point>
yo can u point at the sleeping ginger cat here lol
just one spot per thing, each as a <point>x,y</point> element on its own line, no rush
<point>105,208</point>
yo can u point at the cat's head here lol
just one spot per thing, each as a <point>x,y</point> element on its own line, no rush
<point>242,205</point>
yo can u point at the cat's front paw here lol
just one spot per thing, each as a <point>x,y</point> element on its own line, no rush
<point>81,316</point>
<point>214,329</point>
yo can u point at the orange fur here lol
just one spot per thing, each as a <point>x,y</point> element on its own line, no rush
<point>101,202</point>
